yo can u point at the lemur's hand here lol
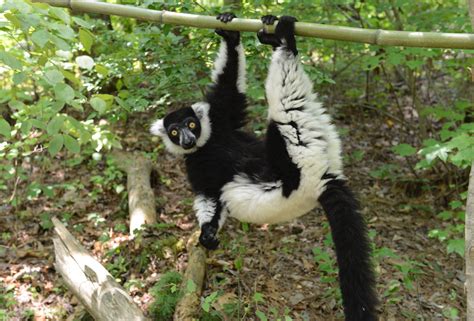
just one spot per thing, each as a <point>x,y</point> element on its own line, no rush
<point>228,35</point>
<point>284,35</point>
<point>208,237</point>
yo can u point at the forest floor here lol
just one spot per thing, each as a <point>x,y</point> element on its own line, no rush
<point>285,270</point>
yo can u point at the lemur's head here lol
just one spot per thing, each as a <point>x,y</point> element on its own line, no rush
<point>185,130</point>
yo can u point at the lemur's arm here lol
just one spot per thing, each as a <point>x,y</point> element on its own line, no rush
<point>227,92</point>
<point>211,217</point>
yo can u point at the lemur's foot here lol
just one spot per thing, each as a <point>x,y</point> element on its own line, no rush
<point>208,237</point>
<point>228,35</point>
<point>269,19</point>
<point>284,35</point>
<point>268,38</point>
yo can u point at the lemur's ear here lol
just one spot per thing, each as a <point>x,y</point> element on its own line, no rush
<point>201,109</point>
<point>158,128</point>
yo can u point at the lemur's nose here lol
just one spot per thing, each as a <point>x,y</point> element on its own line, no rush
<point>188,144</point>
<point>187,139</point>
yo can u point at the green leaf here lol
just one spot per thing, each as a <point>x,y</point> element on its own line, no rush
<point>455,204</point>
<point>98,104</point>
<point>404,150</point>
<point>206,305</point>
<point>87,39</point>
<point>66,32</point>
<point>258,297</point>
<point>40,37</point>
<point>19,77</point>
<point>71,77</point>
<point>56,144</point>
<point>5,128</point>
<point>261,315</point>
<point>60,13</point>
<point>413,64</point>
<point>457,246</point>
<point>445,215</point>
<point>462,141</point>
<point>463,157</point>
<point>64,92</point>
<point>13,19</point>
<point>53,77</point>
<point>395,58</point>
<point>10,60</point>
<point>26,127</point>
<point>60,43</point>
<point>71,144</point>
<point>82,22</point>
<point>55,125</point>
<point>102,70</point>
<point>38,124</point>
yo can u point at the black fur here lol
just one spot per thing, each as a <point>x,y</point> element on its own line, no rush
<point>349,233</point>
<point>282,164</point>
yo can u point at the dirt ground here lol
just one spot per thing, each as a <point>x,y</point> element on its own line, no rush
<point>417,279</point>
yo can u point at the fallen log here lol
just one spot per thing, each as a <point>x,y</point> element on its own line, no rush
<point>90,282</point>
<point>187,308</point>
<point>141,200</point>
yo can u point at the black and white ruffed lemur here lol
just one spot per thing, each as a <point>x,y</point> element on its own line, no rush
<point>296,167</point>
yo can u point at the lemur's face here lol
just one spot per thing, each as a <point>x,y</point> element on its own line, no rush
<point>184,130</point>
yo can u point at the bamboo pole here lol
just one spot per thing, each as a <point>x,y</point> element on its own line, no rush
<point>369,36</point>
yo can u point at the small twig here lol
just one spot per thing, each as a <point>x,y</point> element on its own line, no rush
<point>386,113</point>
<point>393,92</point>
<point>17,180</point>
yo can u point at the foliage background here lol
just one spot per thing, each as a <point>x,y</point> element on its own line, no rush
<point>72,87</point>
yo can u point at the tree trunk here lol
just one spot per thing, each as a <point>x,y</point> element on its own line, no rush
<point>188,307</point>
<point>141,200</point>
<point>90,282</point>
<point>469,227</point>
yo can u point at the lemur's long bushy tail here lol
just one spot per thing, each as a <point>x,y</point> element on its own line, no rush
<point>349,233</point>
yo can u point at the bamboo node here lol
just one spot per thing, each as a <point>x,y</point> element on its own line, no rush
<point>377,34</point>
<point>160,16</point>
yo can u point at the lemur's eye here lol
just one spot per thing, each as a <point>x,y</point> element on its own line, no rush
<point>192,125</point>
<point>174,133</point>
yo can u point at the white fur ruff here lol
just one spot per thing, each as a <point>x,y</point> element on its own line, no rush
<point>314,147</point>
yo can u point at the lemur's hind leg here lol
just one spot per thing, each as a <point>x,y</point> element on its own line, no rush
<point>284,32</point>
<point>313,148</point>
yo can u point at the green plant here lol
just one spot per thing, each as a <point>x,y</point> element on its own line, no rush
<point>7,300</point>
<point>166,294</point>
<point>326,265</point>
<point>453,231</point>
